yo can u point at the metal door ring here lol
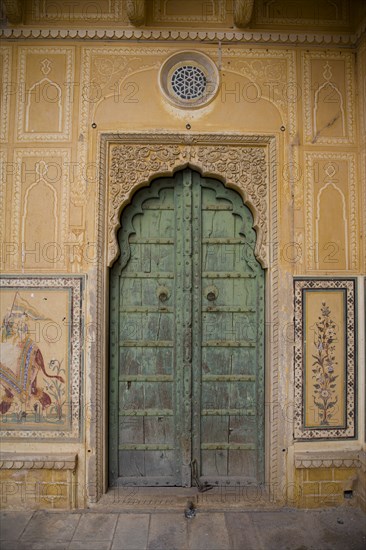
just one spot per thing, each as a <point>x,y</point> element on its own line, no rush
<point>163,293</point>
<point>212,293</point>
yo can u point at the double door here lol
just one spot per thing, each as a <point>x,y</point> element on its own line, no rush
<point>186,339</point>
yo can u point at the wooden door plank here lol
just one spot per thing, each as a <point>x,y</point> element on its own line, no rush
<point>145,339</point>
<point>231,432</point>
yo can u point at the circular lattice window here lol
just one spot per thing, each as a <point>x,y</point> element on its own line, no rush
<point>189,79</point>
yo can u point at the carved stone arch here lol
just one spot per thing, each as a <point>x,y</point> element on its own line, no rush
<point>137,206</point>
<point>241,164</point>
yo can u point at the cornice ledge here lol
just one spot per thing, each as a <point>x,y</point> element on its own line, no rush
<point>327,459</point>
<point>35,461</point>
<point>251,37</point>
<point>158,137</point>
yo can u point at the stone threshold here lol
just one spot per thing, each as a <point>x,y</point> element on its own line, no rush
<point>221,499</point>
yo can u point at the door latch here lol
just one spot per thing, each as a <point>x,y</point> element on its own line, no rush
<point>202,487</point>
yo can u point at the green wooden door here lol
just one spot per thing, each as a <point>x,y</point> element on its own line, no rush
<point>186,339</point>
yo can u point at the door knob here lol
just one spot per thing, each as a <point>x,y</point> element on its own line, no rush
<point>163,293</point>
<point>211,293</point>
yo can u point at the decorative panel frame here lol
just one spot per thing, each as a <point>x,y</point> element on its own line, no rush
<point>70,331</point>
<point>67,13</point>
<point>17,204</point>
<point>352,241</point>
<point>213,11</point>
<point>310,88</point>
<point>22,99</point>
<point>140,157</point>
<point>333,381</point>
<point>3,157</point>
<point>6,54</point>
<point>264,16</point>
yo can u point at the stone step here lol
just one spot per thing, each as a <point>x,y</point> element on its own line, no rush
<point>176,498</point>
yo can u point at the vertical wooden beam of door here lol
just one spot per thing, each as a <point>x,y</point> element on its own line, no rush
<point>186,440</point>
<point>179,319</point>
<point>196,320</point>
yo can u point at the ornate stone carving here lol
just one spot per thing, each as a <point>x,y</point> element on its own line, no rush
<point>278,12</point>
<point>108,12</point>
<point>239,162</point>
<point>176,11</point>
<point>327,459</point>
<point>38,461</point>
<point>165,35</point>
<point>14,11</point>
<point>243,10</point>
<point>5,62</point>
<point>136,11</point>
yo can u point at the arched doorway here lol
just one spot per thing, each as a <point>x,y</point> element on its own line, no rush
<point>186,383</point>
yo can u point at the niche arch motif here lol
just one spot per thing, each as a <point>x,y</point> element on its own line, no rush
<point>53,105</point>
<point>331,187</point>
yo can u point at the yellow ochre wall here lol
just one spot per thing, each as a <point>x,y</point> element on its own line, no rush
<point>287,76</point>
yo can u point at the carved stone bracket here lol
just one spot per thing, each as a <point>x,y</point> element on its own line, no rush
<point>243,10</point>
<point>136,11</point>
<point>33,461</point>
<point>241,162</point>
<point>13,10</point>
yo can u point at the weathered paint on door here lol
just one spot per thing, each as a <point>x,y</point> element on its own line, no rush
<point>186,339</point>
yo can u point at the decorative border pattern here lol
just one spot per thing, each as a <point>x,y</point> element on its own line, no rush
<point>3,157</point>
<point>361,73</point>
<point>65,135</point>
<point>352,236</point>
<point>33,461</point>
<point>6,53</point>
<point>328,459</point>
<point>309,137</point>
<point>19,154</point>
<point>300,287</point>
<point>76,284</point>
<point>250,37</point>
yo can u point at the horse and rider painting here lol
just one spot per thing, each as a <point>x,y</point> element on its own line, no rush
<point>33,359</point>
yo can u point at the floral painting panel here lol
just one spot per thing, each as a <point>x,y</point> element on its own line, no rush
<point>325,358</point>
<point>325,368</point>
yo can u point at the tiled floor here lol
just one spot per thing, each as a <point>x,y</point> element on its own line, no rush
<point>340,528</point>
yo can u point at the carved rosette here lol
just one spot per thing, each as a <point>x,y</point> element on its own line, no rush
<point>240,166</point>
